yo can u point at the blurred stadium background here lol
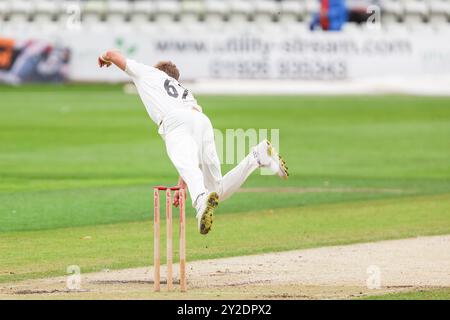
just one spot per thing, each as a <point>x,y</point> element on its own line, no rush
<point>326,46</point>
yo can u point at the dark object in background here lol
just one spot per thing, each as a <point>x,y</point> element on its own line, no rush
<point>358,15</point>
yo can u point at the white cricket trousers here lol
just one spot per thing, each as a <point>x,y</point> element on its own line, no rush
<point>189,139</point>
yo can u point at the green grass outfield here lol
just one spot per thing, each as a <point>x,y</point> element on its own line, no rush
<point>77,164</point>
<point>425,294</point>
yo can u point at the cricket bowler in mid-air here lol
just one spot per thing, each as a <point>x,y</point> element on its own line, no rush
<point>189,137</point>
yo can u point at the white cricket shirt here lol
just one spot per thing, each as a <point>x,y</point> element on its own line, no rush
<point>160,93</point>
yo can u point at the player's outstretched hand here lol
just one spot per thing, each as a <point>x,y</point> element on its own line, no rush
<point>102,62</point>
<point>176,198</point>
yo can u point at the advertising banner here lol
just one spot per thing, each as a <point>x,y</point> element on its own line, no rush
<point>270,55</point>
<point>32,60</point>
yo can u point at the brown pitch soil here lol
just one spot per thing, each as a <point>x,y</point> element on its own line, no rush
<point>338,272</point>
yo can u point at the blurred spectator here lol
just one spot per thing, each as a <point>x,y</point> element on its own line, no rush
<point>332,16</point>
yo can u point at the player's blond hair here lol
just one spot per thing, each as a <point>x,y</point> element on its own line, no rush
<point>168,67</point>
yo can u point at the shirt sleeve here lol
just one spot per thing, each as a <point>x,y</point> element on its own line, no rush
<point>132,68</point>
<point>135,69</point>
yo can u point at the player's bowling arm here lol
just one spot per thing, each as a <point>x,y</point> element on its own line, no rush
<point>181,183</point>
<point>112,57</point>
<point>176,198</point>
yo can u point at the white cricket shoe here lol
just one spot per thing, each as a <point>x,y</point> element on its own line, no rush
<point>205,211</point>
<point>267,157</point>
